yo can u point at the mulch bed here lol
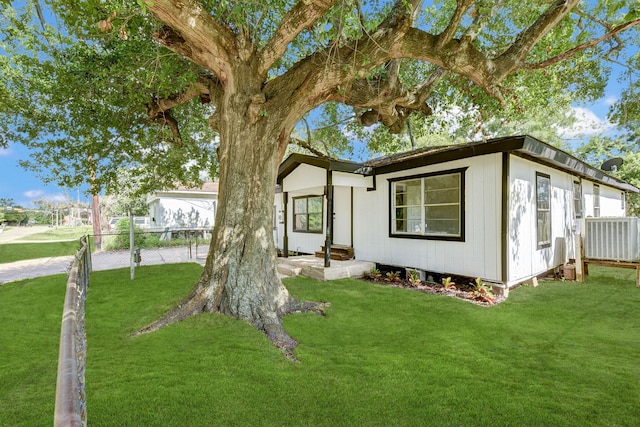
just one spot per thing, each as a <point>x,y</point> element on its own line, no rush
<point>465,293</point>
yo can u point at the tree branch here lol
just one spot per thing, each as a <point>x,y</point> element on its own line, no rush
<point>514,57</point>
<point>584,46</point>
<point>193,33</point>
<point>197,89</point>
<point>343,74</point>
<point>159,109</point>
<point>307,146</point>
<point>165,118</point>
<point>481,19</point>
<point>301,16</point>
<point>461,8</point>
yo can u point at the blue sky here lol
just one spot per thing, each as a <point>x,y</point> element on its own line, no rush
<point>23,186</point>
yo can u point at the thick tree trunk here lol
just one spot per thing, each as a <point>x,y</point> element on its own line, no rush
<point>95,220</point>
<point>240,275</point>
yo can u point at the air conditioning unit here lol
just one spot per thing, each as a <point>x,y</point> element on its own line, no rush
<point>612,239</point>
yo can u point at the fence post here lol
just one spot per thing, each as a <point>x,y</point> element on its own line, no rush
<point>131,244</point>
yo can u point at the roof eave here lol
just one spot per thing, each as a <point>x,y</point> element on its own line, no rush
<point>546,154</point>
<point>296,159</point>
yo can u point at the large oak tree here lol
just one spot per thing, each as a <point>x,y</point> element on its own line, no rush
<point>252,70</point>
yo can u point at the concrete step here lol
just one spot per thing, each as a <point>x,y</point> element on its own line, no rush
<point>289,270</point>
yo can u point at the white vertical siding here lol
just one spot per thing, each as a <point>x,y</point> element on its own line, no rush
<point>524,258</point>
<point>305,180</point>
<point>304,177</point>
<point>183,211</point>
<point>610,200</point>
<point>302,241</point>
<point>478,255</point>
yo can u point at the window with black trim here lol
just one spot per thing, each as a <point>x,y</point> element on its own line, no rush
<point>577,199</point>
<point>543,209</point>
<point>429,206</point>
<point>596,200</point>
<point>622,201</point>
<point>307,214</point>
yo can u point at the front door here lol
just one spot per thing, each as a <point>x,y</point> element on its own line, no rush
<point>342,216</point>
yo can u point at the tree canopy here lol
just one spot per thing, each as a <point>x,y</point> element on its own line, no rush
<point>83,92</point>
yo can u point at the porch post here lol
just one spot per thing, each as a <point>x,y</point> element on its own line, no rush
<point>504,232</point>
<point>285,237</point>
<point>329,230</point>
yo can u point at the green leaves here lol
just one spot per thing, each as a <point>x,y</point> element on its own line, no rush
<point>80,105</point>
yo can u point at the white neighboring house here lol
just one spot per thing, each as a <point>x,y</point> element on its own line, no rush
<point>184,207</point>
<point>505,210</point>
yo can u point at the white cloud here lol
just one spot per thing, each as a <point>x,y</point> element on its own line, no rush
<point>610,100</point>
<point>5,152</point>
<point>586,123</point>
<point>33,195</point>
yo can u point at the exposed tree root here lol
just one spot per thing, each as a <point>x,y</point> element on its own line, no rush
<point>193,304</point>
<point>196,303</point>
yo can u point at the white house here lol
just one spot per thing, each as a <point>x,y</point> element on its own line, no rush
<point>505,210</point>
<point>184,207</point>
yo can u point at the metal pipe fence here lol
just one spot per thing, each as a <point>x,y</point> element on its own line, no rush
<point>180,245</point>
<point>70,407</point>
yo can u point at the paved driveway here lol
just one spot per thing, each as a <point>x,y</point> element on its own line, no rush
<point>29,269</point>
<point>11,234</point>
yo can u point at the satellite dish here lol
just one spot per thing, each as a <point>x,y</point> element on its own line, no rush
<point>612,164</point>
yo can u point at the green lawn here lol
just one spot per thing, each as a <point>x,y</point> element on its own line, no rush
<point>559,354</point>
<point>61,233</point>
<point>11,252</point>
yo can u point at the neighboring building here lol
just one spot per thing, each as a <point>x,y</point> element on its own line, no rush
<point>505,210</point>
<point>184,207</point>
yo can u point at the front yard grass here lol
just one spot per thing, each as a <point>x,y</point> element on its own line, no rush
<point>11,252</point>
<point>61,233</point>
<point>559,354</point>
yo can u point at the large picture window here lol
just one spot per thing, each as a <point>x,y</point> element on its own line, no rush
<point>429,206</point>
<point>543,208</point>
<point>307,214</point>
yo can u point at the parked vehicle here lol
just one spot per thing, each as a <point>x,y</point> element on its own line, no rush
<point>111,225</point>
<point>139,221</point>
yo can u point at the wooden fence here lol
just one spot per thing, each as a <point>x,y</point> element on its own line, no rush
<point>70,409</point>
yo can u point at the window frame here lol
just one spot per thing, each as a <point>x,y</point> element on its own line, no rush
<point>460,237</point>
<point>578,207</point>
<point>540,242</point>
<point>596,200</point>
<point>307,213</point>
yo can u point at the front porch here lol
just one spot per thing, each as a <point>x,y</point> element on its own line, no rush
<point>311,266</point>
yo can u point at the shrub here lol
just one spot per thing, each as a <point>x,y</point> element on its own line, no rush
<point>392,276</point>
<point>121,240</point>
<point>482,291</point>
<point>447,283</point>
<point>414,278</point>
<point>373,274</point>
